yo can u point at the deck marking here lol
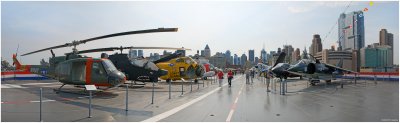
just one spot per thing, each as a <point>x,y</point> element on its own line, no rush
<point>39,83</point>
<point>177,109</point>
<point>233,107</point>
<point>42,101</point>
<point>11,86</point>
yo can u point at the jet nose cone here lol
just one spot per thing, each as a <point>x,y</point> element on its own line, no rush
<point>293,68</point>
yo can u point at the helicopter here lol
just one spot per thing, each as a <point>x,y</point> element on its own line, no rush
<point>138,69</point>
<point>181,67</point>
<point>74,69</point>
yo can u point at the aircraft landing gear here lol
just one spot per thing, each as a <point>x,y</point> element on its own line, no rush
<point>328,82</point>
<point>59,89</point>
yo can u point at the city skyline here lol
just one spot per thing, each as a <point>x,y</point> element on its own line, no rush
<point>234,26</point>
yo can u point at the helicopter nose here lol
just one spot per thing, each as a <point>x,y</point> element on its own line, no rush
<point>117,78</point>
<point>162,72</point>
<point>191,72</point>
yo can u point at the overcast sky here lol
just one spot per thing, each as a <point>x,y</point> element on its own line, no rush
<point>234,26</point>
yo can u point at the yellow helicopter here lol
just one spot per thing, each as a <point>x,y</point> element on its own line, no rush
<point>181,67</point>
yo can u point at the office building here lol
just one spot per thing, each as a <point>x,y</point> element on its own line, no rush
<point>140,53</point>
<point>316,45</point>
<point>218,60</point>
<point>243,59</point>
<point>235,59</point>
<point>251,56</point>
<point>228,57</point>
<point>207,51</point>
<point>351,31</point>
<point>132,53</point>
<point>376,56</point>
<point>333,58</point>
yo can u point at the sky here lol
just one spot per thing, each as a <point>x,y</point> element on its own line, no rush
<point>224,25</point>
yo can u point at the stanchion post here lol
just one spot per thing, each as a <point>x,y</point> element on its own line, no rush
<point>126,98</point>
<point>203,82</point>
<point>152,95</point>
<point>198,84</point>
<point>169,90</point>
<point>90,104</point>
<point>191,86</point>
<point>40,110</point>
<point>375,79</point>
<point>355,78</point>
<point>182,88</point>
<point>285,86</point>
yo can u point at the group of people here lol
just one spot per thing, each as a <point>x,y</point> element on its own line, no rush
<point>220,75</point>
<point>249,77</point>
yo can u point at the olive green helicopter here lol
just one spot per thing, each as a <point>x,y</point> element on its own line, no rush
<point>74,69</point>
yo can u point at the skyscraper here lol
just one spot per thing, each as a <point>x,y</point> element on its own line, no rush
<point>228,57</point>
<point>288,49</point>
<point>316,45</point>
<point>264,57</point>
<point>235,59</point>
<point>295,55</point>
<point>140,53</point>
<point>251,56</point>
<point>133,53</point>
<point>351,31</point>
<point>256,60</point>
<point>183,52</point>
<point>386,38</point>
<point>207,52</point>
<point>243,59</point>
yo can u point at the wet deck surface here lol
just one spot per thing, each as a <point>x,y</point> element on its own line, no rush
<point>364,101</point>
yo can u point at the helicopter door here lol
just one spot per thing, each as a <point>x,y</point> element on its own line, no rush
<point>78,72</point>
<point>182,71</point>
<point>98,74</point>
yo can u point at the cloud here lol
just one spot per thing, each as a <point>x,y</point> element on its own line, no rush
<point>301,7</point>
<point>298,9</point>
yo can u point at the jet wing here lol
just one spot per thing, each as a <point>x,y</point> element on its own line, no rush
<point>339,68</point>
<point>297,73</point>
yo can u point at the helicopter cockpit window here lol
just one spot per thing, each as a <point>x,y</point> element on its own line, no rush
<point>109,66</point>
<point>188,61</point>
<point>179,60</point>
<point>139,62</point>
<point>99,74</point>
<point>98,69</point>
<point>152,66</point>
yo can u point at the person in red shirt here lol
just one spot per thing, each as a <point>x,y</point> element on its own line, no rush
<point>230,77</point>
<point>220,77</point>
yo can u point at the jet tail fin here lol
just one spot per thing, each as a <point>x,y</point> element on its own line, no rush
<point>340,63</point>
<point>280,59</point>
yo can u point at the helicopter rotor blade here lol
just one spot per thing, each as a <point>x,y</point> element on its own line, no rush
<point>121,48</point>
<point>130,33</point>
<point>50,48</point>
<point>166,48</point>
<point>74,43</point>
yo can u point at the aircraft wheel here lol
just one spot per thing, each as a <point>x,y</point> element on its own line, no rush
<point>312,84</point>
<point>328,81</point>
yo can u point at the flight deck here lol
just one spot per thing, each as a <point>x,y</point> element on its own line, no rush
<point>360,101</point>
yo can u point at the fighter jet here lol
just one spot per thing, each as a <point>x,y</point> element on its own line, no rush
<point>279,68</point>
<point>315,70</point>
